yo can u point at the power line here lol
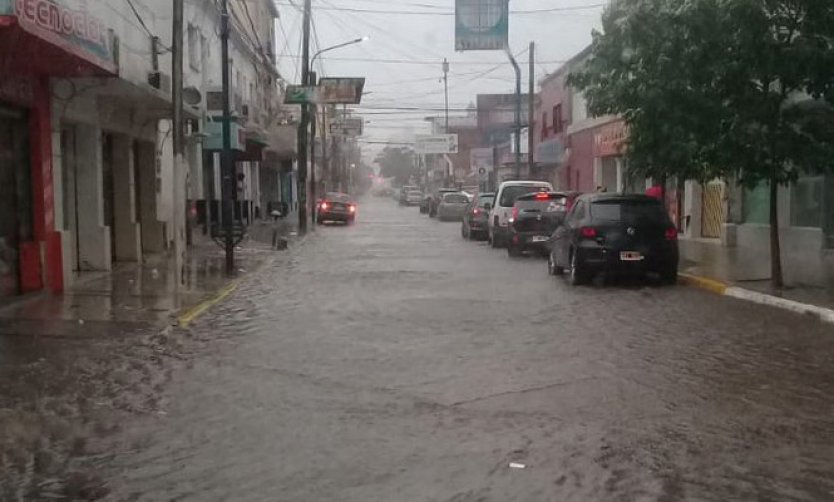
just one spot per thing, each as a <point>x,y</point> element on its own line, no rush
<point>452,13</point>
<point>419,62</point>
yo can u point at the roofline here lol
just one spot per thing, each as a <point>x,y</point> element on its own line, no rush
<point>569,64</point>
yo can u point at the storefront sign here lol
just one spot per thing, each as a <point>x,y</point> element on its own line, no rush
<point>66,24</point>
<point>482,161</point>
<point>610,139</point>
<point>214,141</point>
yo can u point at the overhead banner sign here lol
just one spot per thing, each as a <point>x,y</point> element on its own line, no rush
<point>482,25</point>
<point>300,95</point>
<point>67,24</point>
<point>436,144</point>
<point>350,128</point>
<point>341,91</point>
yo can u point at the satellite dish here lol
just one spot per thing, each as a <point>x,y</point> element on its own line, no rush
<point>191,96</point>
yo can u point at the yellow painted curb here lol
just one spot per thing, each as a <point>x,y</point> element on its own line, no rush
<point>711,285</point>
<point>188,317</point>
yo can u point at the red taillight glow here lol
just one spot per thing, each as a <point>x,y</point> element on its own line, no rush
<point>352,208</point>
<point>324,205</point>
<point>671,234</point>
<point>588,233</point>
<point>515,212</point>
<point>542,195</point>
<point>476,211</point>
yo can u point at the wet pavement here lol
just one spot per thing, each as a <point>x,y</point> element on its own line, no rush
<point>394,361</point>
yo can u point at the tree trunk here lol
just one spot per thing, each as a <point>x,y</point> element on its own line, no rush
<point>775,247</point>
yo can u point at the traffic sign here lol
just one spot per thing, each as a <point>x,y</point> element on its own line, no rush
<point>436,144</point>
<point>347,127</point>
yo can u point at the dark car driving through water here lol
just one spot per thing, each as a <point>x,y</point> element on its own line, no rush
<point>336,207</point>
<point>474,224</point>
<point>615,233</point>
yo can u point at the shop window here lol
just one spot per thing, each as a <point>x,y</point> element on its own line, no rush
<point>806,202</point>
<point>757,204</point>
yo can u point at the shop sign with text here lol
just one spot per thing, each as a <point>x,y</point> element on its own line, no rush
<point>610,139</point>
<point>67,24</point>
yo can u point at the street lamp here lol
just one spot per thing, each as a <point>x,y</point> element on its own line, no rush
<point>314,82</point>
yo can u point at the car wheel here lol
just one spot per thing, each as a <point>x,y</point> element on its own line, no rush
<point>513,250</point>
<point>493,241</point>
<point>669,276</point>
<point>578,276</point>
<point>463,231</point>
<point>552,268</point>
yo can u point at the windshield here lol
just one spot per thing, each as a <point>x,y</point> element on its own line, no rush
<point>628,212</point>
<point>511,193</point>
<point>337,197</point>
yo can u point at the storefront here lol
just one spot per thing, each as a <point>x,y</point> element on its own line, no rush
<point>39,39</point>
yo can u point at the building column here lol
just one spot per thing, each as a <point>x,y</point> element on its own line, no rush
<point>127,230</point>
<point>93,236</point>
<point>153,231</point>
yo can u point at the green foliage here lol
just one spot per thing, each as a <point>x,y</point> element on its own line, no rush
<point>396,163</point>
<point>712,88</point>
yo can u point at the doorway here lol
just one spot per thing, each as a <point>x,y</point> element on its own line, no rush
<point>108,191</point>
<point>15,197</point>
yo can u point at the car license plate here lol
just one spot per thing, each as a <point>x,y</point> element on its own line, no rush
<point>539,238</point>
<point>631,256</point>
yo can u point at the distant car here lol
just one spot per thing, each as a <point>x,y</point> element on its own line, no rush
<point>474,224</point>
<point>414,198</point>
<point>615,233</point>
<point>403,194</point>
<point>452,206</point>
<point>501,211</point>
<point>435,199</point>
<point>534,219</point>
<point>336,207</point>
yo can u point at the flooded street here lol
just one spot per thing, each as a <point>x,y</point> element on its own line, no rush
<point>392,360</point>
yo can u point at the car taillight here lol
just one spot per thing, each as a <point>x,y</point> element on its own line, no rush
<point>542,196</point>
<point>671,234</point>
<point>588,233</point>
<point>324,205</point>
<point>352,208</point>
<point>515,213</point>
<point>476,211</point>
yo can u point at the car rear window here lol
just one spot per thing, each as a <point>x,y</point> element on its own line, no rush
<point>455,198</point>
<point>483,200</point>
<point>511,193</point>
<point>629,211</point>
<point>337,197</point>
<point>553,202</point>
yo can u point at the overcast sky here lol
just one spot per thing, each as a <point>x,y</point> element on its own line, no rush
<point>402,61</point>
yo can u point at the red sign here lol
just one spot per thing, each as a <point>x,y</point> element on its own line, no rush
<point>610,139</point>
<point>74,30</point>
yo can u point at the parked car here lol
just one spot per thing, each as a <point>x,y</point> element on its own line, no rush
<point>474,224</point>
<point>336,207</point>
<point>501,211</point>
<point>618,234</point>
<point>435,199</point>
<point>404,191</point>
<point>534,219</point>
<point>452,206</point>
<point>414,198</point>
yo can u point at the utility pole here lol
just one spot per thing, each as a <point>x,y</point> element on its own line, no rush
<point>531,110</point>
<point>313,125</point>
<point>517,137</point>
<point>178,143</point>
<point>446,91</point>
<point>228,186</point>
<point>304,127</point>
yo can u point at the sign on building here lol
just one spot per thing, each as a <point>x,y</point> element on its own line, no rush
<point>300,95</point>
<point>482,161</point>
<point>436,144</point>
<point>482,25</point>
<point>347,127</point>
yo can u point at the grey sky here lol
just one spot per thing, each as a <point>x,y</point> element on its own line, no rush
<point>418,43</point>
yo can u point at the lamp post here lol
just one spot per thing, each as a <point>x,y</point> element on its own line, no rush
<point>314,82</point>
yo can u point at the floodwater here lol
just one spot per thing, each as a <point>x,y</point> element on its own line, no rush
<point>393,361</point>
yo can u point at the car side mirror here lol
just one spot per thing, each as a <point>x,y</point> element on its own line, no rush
<point>487,207</point>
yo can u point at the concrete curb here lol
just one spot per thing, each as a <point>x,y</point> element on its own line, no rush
<point>720,288</point>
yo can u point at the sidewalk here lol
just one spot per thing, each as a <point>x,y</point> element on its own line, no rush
<point>137,296</point>
<point>809,278</point>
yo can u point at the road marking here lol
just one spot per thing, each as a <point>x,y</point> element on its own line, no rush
<point>198,310</point>
<point>716,287</point>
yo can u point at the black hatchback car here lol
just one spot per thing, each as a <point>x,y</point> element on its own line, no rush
<point>474,225</point>
<point>534,219</point>
<point>618,234</point>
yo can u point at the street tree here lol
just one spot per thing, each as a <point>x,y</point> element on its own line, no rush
<point>397,163</point>
<point>739,89</point>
